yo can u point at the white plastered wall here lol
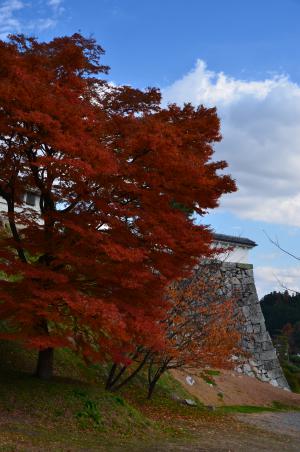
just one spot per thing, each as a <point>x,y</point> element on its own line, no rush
<point>236,253</point>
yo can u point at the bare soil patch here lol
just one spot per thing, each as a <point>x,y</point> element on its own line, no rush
<point>231,388</point>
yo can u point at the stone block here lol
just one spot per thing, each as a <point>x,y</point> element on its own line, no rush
<point>246,367</point>
<point>258,348</point>
<point>266,346</point>
<point>250,374</point>
<point>249,346</point>
<point>257,328</point>
<point>271,364</point>
<point>276,373</point>
<point>263,337</point>
<point>246,311</point>
<point>282,383</point>
<point>264,378</point>
<point>268,355</point>
<point>263,327</point>
<point>245,266</point>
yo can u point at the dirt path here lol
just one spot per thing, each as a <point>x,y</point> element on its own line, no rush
<point>264,432</point>
<point>283,423</point>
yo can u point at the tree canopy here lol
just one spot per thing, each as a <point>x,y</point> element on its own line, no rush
<point>113,170</point>
<point>282,314</point>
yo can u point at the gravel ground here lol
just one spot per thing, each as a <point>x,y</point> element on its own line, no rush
<point>264,432</point>
<point>283,423</point>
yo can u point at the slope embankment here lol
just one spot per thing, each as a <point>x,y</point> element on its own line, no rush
<point>232,388</point>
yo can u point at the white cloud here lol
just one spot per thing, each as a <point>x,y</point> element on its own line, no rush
<point>42,24</point>
<point>11,20</point>
<point>268,279</point>
<point>8,20</point>
<point>56,5</point>
<point>261,139</point>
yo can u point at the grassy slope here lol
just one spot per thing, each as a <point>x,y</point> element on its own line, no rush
<point>73,411</point>
<point>292,374</point>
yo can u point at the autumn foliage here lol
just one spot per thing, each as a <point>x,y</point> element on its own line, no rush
<point>116,174</point>
<point>202,328</point>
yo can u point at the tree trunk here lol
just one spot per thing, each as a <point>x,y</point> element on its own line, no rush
<point>44,369</point>
<point>109,381</point>
<point>151,389</point>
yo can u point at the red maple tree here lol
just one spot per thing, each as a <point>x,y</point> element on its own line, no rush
<point>202,328</point>
<point>115,174</point>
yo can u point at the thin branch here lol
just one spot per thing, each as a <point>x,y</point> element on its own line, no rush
<point>276,243</point>
<point>14,230</point>
<point>285,287</point>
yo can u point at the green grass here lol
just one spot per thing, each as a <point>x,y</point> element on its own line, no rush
<point>283,407</point>
<point>59,411</point>
<point>213,372</point>
<point>74,412</point>
<point>208,378</point>
<point>292,373</point>
<point>295,359</point>
<point>276,406</point>
<point>244,409</point>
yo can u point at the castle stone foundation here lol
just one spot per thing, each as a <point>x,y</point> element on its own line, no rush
<point>237,281</point>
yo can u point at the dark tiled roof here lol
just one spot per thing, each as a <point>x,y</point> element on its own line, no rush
<point>233,239</point>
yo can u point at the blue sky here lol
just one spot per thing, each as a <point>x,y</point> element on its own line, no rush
<point>243,57</point>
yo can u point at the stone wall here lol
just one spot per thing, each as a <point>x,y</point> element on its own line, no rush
<point>238,282</point>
